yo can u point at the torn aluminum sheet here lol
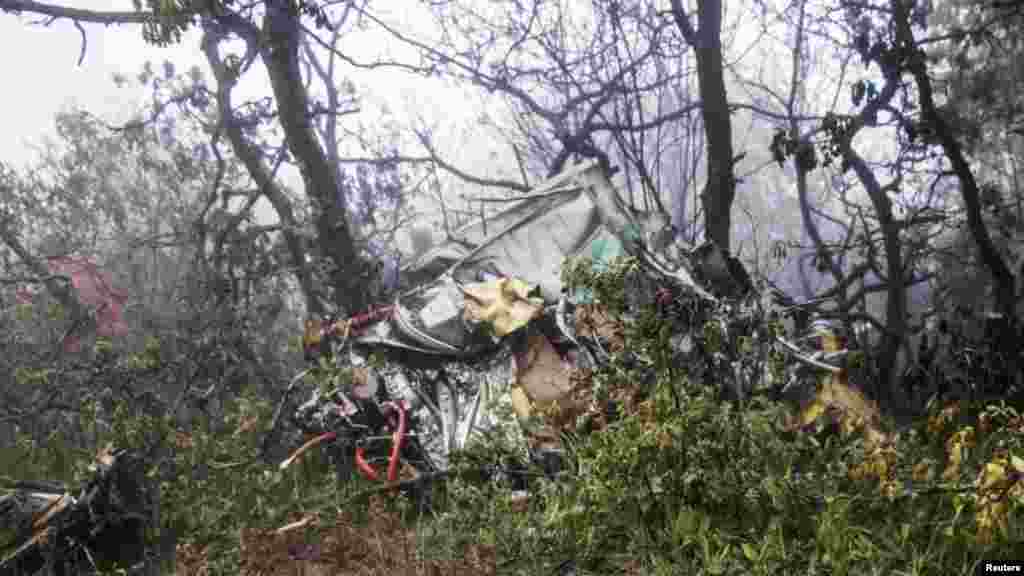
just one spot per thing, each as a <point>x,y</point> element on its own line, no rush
<point>559,219</point>
<point>447,312</point>
<point>577,211</point>
<point>457,401</point>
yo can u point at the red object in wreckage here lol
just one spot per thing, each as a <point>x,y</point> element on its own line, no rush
<point>364,467</point>
<point>95,289</point>
<point>397,438</point>
<point>318,329</point>
<point>373,315</point>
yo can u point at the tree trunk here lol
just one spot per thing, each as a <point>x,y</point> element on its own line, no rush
<point>282,35</point>
<point>720,189</point>
<point>254,165</point>
<point>893,358</point>
<point>1002,276</point>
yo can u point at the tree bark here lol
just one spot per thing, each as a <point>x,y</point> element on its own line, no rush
<point>280,52</point>
<point>253,162</point>
<point>892,359</point>
<point>278,45</point>
<point>894,344</point>
<point>720,190</point>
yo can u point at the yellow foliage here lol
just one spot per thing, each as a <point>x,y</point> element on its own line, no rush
<point>922,472</point>
<point>855,412</point>
<point>992,519</point>
<point>816,409</point>
<point>991,515</point>
<point>852,410</point>
<point>955,446</point>
<point>937,422</point>
<point>889,489</point>
<point>505,304</point>
<point>829,340</point>
<point>879,463</point>
<point>834,390</point>
<point>311,336</point>
<point>995,485</point>
<point>993,476</point>
<point>883,460</point>
<point>858,472</point>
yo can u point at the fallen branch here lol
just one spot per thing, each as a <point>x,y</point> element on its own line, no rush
<point>104,525</point>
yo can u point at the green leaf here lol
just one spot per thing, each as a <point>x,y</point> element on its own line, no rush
<point>750,552</point>
<point>55,311</point>
<point>103,346</point>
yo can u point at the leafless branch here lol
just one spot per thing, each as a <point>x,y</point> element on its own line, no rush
<point>489,182</point>
<point>81,55</point>
<point>76,14</point>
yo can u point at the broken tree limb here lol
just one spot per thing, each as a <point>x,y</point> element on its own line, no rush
<point>59,533</point>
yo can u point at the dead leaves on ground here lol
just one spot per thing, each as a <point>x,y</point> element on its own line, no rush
<point>381,546</point>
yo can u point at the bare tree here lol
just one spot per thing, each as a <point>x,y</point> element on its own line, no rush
<point>912,60</point>
<point>579,82</point>
<point>272,32</point>
<point>886,242</point>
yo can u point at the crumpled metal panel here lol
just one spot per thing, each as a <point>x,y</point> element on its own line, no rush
<point>430,321</point>
<point>528,241</point>
<point>531,239</point>
<point>576,213</point>
<point>467,399</point>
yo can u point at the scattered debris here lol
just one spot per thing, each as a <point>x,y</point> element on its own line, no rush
<point>488,324</point>
<point>56,532</point>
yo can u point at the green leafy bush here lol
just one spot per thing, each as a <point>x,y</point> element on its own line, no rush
<point>681,483</point>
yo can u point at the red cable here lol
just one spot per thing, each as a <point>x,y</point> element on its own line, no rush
<point>359,321</point>
<point>364,466</point>
<point>396,443</point>
<point>396,448</point>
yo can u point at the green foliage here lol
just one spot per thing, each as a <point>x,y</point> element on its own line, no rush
<point>704,487</point>
<point>680,484</point>
<point>172,18</point>
<point>147,359</point>
<point>608,284</point>
<point>32,377</point>
<point>55,311</point>
<point>212,480</point>
<point>23,312</point>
